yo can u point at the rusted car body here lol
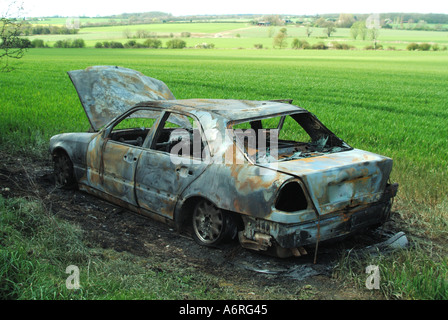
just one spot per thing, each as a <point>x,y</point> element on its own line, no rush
<point>220,169</point>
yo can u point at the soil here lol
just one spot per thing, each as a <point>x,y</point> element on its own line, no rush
<point>108,226</point>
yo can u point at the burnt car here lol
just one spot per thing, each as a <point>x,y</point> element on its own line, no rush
<point>267,173</point>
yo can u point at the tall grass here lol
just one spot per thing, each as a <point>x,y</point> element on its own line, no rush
<point>404,274</point>
<point>36,248</point>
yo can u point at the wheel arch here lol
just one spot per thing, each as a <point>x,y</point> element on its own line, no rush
<point>184,212</point>
<point>60,150</point>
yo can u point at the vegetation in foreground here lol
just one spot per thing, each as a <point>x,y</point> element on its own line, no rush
<point>392,103</point>
<point>37,248</point>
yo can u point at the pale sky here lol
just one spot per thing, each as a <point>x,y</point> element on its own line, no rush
<point>92,8</point>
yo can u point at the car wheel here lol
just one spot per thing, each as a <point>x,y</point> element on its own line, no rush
<point>211,226</point>
<point>63,171</point>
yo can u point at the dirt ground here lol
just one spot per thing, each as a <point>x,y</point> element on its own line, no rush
<point>108,226</point>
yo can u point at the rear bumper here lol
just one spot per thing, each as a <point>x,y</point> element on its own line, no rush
<point>333,226</point>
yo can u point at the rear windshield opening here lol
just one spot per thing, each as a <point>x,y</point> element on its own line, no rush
<point>286,137</point>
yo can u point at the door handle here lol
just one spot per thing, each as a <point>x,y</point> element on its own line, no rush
<point>129,158</point>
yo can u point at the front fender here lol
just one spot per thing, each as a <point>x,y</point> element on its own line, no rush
<point>75,145</point>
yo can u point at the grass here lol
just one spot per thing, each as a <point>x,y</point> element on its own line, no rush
<point>405,274</point>
<point>36,248</point>
<point>389,102</point>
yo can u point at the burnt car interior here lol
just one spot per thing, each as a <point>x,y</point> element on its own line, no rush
<point>298,135</point>
<point>134,128</point>
<point>187,137</point>
<point>177,130</point>
<point>134,136</point>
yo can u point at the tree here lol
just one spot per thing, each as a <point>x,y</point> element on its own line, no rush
<point>329,28</point>
<point>176,44</point>
<point>153,43</point>
<point>320,22</point>
<point>280,40</point>
<point>273,19</point>
<point>359,29</point>
<point>373,24</point>
<point>412,46</point>
<point>78,43</point>
<point>11,45</point>
<point>296,43</point>
<point>127,33</point>
<point>345,20</point>
<point>373,34</point>
<point>308,30</point>
<point>354,31</point>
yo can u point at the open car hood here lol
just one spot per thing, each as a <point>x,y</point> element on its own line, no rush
<point>108,91</point>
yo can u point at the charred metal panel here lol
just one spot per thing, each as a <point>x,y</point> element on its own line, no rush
<point>119,167</point>
<point>344,179</point>
<point>111,168</point>
<point>333,226</point>
<point>160,181</point>
<point>75,145</point>
<point>231,110</point>
<point>108,91</point>
<point>237,188</point>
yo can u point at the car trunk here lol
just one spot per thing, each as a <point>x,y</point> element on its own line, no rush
<point>340,180</point>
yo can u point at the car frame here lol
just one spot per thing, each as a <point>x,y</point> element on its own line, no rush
<point>225,189</point>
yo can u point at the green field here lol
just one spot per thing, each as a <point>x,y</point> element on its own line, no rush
<point>242,35</point>
<point>390,102</point>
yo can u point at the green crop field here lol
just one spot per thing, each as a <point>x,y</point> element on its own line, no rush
<point>393,103</point>
<point>236,35</point>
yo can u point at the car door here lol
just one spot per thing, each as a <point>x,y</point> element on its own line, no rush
<point>173,161</point>
<point>113,155</point>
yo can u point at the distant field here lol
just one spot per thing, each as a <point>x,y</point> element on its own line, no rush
<point>62,21</point>
<point>241,35</point>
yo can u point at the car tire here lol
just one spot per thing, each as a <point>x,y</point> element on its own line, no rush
<point>63,171</point>
<point>211,225</point>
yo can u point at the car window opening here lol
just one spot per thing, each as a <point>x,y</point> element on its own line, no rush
<point>180,140</point>
<point>285,138</point>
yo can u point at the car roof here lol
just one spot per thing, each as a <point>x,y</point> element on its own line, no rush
<point>229,109</point>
